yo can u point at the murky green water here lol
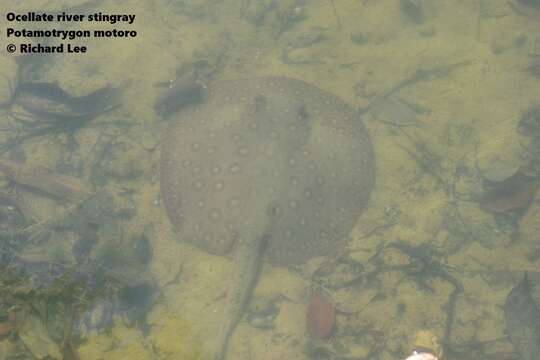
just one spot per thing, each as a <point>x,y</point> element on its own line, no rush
<point>91,267</point>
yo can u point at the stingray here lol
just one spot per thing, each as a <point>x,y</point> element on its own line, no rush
<point>268,166</point>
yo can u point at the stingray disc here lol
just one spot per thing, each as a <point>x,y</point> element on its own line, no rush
<point>268,157</point>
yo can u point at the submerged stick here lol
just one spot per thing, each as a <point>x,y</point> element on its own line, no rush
<point>335,13</point>
<point>40,178</point>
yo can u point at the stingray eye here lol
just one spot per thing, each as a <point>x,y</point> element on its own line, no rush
<point>302,114</point>
<point>275,210</point>
<point>260,102</point>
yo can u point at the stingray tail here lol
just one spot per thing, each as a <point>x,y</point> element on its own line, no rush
<point>246,270</point>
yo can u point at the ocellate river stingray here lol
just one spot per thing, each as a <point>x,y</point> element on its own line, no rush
<point>268,165</point>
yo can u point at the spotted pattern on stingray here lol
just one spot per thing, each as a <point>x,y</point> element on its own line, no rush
<point>272,157</point>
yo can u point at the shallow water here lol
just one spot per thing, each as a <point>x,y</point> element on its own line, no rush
<point>447,92</point>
